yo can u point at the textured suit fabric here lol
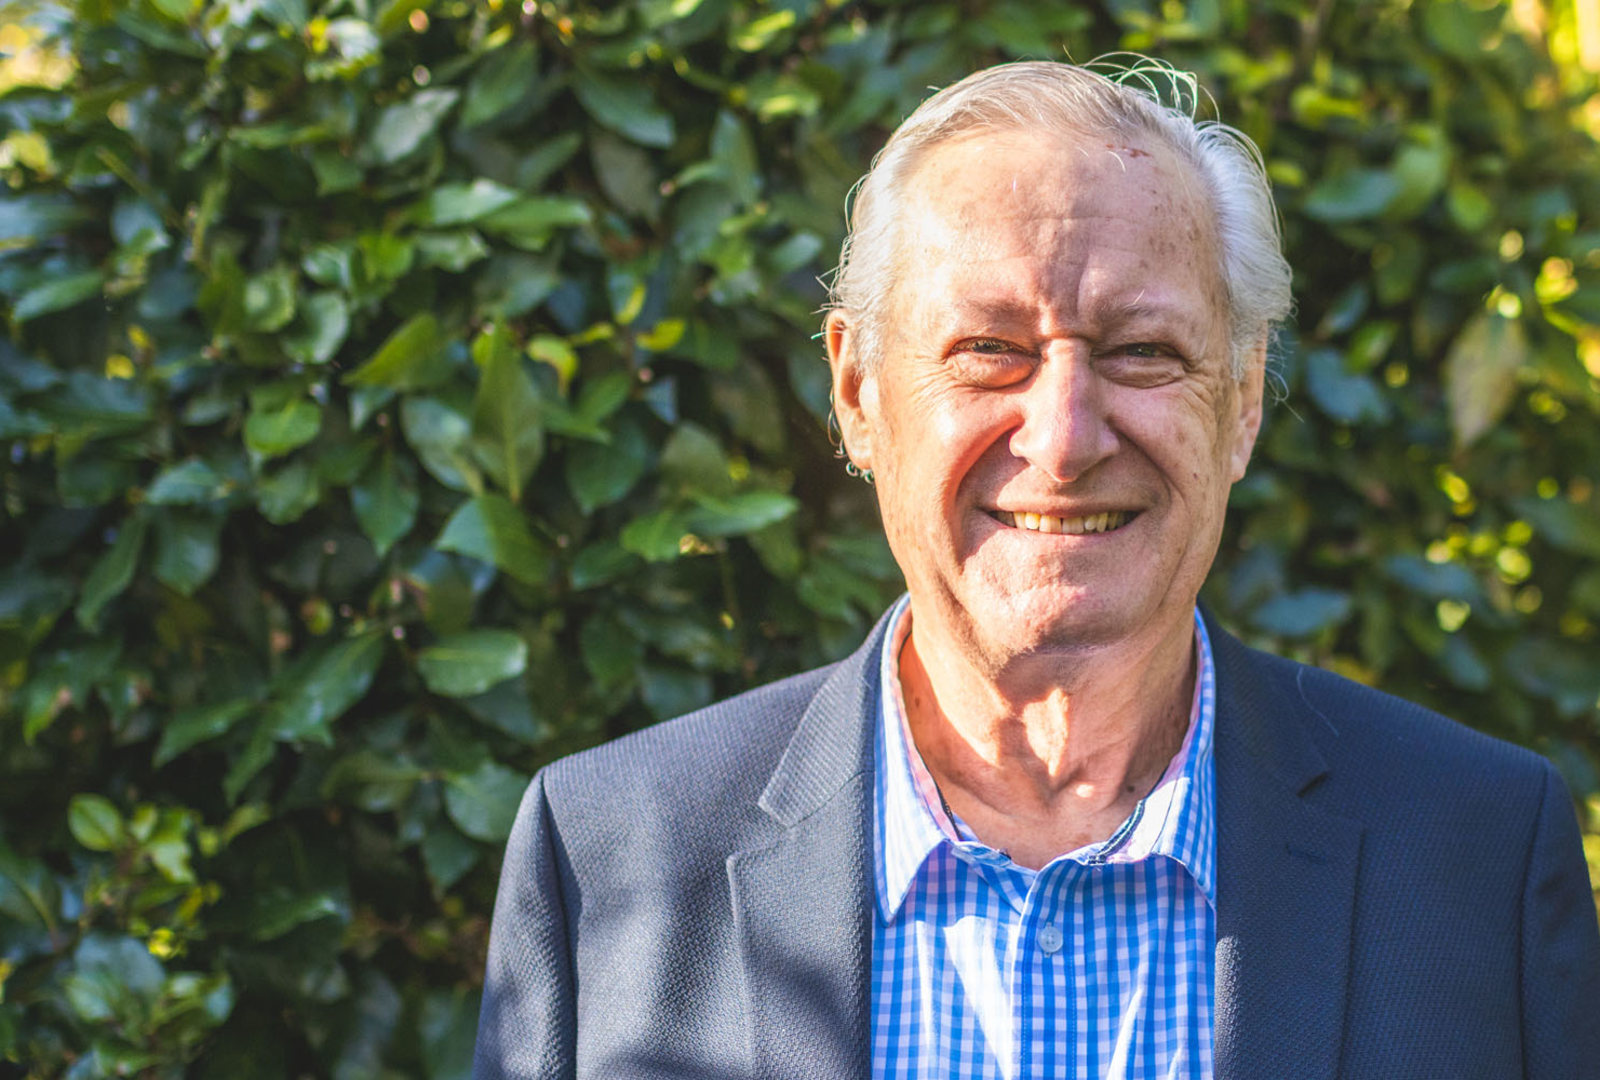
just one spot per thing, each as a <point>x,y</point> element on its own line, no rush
<point>1399,897</point>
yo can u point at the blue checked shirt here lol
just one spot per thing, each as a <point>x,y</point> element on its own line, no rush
<point>1097,967</point>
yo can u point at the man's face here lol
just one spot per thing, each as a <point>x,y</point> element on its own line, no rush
<point>1054,426</point>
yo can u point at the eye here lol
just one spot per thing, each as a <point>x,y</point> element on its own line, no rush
<point>991,362</point>
<point>1141,364</point>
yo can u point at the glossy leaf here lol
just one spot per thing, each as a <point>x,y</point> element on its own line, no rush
<point>385,501</point>
<point>624,106</point>
<point>507,420</point>
<point>483,803</point>
<point>470,663</point>
<point>410,359</point>
<point>113,571</point>
<point>197,725</point>
<point>322,687</point>
<point>273,432</point>
<point>95,822</point>
<point>489,528</point>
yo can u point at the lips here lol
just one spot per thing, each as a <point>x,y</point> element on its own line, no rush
<point>1109,521</point>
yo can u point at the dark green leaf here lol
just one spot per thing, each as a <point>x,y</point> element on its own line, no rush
<point>285,496</point>
<point>400,129</point>
<point>460,204</point>
<point>1343,395</point>
<point>412,358</point>
<point>324,321</point>
<point>112,573</point>
<point>186,483</point>
<point>530,222</point>
<point>269,299</point>
<point>1436,581</point>
<point>470,663</point>
<point>1302,613</point>
<point>187,548</point>
<point>440,434</point>
<point>448,1030</point>
<point>385,501</point>
<point>670,692</point>
<point>57,294</point>
<point>693,460</point>
<point>446,856</point>
<point>1562,523</point>
<point>599,474</point>
<point>656,537</point>
<point>323,686</point>
<point>1354,195</point>
<point>504,78</point>
<point>506,417</point>
<point>273,432</point>
<point>491,529</point>
<point>735,515</point>
<point>193,726</point>
<point>453,251</point>
<point>625,106</point>
<point>483,803</point>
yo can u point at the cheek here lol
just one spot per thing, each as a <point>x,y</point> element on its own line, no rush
<point>1187,435</point>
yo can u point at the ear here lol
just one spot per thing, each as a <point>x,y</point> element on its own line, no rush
<point>855,389</point>
<point>1249,390</point>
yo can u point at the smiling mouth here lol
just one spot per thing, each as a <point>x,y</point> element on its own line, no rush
<point>1067,526</point>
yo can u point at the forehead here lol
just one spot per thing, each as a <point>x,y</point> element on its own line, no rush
<point>1079,220</point>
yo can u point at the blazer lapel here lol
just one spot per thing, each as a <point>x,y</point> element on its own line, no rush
<point>1286,880</point>
<point>802,905</point>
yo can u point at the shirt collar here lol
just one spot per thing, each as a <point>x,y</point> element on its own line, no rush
<point>1175,820</point>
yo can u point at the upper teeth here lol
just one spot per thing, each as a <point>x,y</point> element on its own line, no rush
<point>1049,523</point>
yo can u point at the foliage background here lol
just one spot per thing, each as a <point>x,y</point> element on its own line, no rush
<point>400,394</point>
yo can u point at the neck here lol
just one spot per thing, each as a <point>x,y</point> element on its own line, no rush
<point>1041,765</point>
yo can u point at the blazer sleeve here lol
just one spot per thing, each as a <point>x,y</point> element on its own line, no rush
<point>527,1025</point>
<point>1560,948</point>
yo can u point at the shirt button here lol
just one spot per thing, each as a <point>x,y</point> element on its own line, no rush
<point>1050,940</point>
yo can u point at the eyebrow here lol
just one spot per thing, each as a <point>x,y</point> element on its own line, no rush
<point>1113,311</point>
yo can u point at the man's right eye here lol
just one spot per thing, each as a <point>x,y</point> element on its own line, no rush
<point>991,362</point>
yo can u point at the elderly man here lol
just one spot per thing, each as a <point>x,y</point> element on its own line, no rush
<point>1049,820</point>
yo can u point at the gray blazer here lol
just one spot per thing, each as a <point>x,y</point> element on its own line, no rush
<point>1398,896</point>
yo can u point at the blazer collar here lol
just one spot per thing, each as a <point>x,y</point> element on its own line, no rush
<point>802,904</point>
<point>833,742</point>
<point>1287,868</point>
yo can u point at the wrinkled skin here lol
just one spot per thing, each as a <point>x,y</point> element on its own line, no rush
<point>1058,343</point>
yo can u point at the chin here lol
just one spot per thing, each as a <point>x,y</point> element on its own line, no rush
<point>1056,619</point>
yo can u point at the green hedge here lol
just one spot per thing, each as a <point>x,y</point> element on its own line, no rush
<point>399,395</point>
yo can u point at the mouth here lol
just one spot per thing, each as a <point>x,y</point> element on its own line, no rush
<point>1110,521</point>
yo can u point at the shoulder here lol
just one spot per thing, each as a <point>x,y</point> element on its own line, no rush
<point>709,764</point>
<point>1381,751</point>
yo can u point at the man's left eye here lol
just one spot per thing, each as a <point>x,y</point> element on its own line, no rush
<point>1140,363</point>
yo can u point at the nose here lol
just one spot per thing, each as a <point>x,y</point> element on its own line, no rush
<point>1064,430</point>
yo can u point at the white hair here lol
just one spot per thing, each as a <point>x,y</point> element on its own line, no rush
<point>1146,97</point>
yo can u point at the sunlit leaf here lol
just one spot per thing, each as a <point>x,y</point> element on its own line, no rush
<point>95,822</point>
<point>1480,374</point>
<point>412,358</point>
